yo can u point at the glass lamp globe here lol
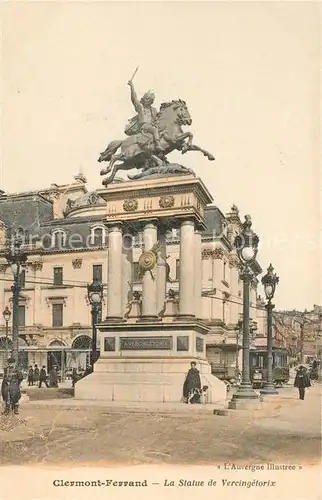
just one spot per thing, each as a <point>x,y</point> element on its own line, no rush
<point>268,291</point>
<point>95,298</point>
<point>6,314</point>
<point>247,254</point>
<point>14,269</point>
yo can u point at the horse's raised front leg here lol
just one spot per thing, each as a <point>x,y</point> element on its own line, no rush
<point>193,147</point>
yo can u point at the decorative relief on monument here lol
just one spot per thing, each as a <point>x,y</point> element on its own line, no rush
<point>148,260</point>
<point>182,343</point>
<point>145,343</point>
<point>111,209</point>
<point>147,205</point>
<point>199,344</point>
<point>166,201</point>
<point>130,205</point>
<point>109,344</point>
<point>77,263</point>
<point>185,201</point>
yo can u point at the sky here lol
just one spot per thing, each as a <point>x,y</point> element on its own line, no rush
<point>249,73</point>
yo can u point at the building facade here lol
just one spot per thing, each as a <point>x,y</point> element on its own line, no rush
<point>64,235</point>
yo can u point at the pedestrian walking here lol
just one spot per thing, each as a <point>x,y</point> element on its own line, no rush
<point>30,376</point>
<point>43,377</point>
<point>302,381</point>
<point>36,374</point>
<point>74,377</point>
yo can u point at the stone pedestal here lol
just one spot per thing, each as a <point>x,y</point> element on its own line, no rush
<point>146,352</point>
<point>245,404</point>
<point>149,362</point>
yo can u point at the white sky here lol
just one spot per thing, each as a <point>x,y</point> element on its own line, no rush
<point>249,73</point>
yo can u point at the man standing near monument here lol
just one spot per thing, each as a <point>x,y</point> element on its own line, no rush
<point>192,384</point>
<point>10,389</point>
<point>144,121</point>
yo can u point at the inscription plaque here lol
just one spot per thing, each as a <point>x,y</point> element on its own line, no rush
<point>109,344</point>
<point>146,343</point>
<point>199,344</point>
<point>182,343</point>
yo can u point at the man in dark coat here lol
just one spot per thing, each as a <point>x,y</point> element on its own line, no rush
<point>10,388</point>
<point>53,377</point>
<point>43,377</point>
<point>302,381</point>
<point>30,376</point>
<point>192,384</point>
<point>36,374</point>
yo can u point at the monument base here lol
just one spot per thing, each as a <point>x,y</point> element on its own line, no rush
<point>145,380</point>
<point>148,362</point>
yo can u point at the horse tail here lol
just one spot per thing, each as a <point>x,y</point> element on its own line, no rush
<point>110,150</point>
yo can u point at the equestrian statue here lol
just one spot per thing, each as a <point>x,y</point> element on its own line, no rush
<point>152,135</point>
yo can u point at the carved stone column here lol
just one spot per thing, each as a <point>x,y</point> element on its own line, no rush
<point>149,284</point>
<point>161,275</point>
<point>198,274</point>
<point>114,286</point>
<point>127,261</point>
<point>186,275</point>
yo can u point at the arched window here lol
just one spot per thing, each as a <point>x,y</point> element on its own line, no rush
<point>82,342</point>
<point>56,343</point>
<point>58,238</point>
<point>98,236</point>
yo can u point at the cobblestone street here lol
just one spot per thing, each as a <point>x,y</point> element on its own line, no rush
<point>52,432</point>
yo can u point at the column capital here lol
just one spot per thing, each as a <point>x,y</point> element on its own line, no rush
<point>187,222</point>
<point>115,226</point>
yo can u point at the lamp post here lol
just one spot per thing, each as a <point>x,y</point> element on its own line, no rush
<point>6,316</point>
<point>269,282</point>
<point>95,297</point>
<point>16,258</point>
<point>238,330</point>
<point>246,245</point>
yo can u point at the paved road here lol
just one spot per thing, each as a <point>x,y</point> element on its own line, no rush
<point>285,431</point>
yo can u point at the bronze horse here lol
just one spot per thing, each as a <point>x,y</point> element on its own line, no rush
<point>139,151</point>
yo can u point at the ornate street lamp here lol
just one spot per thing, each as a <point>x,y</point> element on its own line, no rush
<point>6,316</point>
<point>16,258</point>
<point>246,245</point>
<point>269,282</point>
<point>95,297</point>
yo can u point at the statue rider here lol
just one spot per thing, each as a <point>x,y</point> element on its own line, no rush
<point>10,388</point>
<point>145,119</point>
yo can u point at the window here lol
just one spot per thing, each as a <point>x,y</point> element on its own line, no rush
<point>225,271</point>
<point>98,236</point>
<point>58,276</point>
<point>135,272</point>
<point>21,316</point>
<point>22,278</point>
<point>224,311</point>
<point>58,238</point>
<point>98,272</point>
<point>177,269</point>
<point>57,315</point>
